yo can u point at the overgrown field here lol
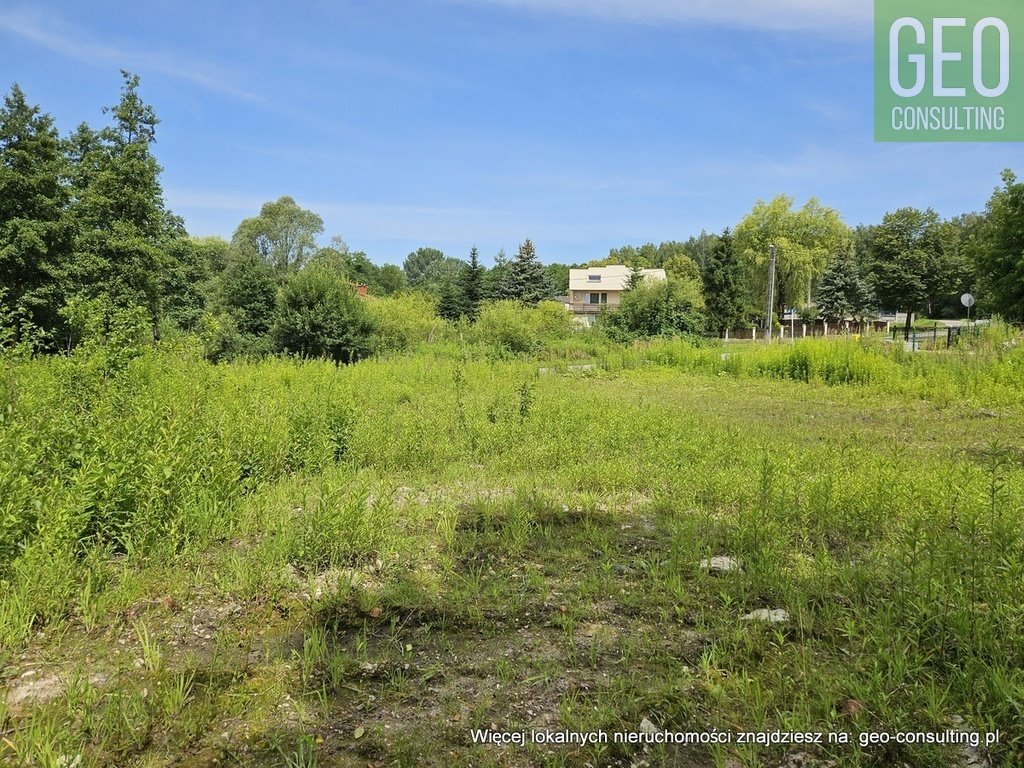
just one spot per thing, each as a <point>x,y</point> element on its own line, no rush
<point>297,564</point>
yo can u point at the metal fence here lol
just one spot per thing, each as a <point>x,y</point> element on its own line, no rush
<point>937,337</point>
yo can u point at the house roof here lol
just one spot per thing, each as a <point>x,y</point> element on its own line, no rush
<point>612,278</point>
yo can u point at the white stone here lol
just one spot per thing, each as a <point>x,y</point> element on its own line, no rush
<point>646,726</point>
<point>720,564</point>
<point>773,616</point>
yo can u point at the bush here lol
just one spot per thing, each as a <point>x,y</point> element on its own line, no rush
<point>319,315</point>
<point>663,308</point>
<point>404,321</point>
<point>516,328</point>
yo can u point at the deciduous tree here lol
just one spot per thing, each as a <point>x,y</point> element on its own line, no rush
<point>805,239</point>
<point>283,235</point>
<point>905,248</point>
<point>1000,255</point>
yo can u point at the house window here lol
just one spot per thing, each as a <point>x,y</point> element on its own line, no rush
<point>599,298</point>
<point>594,278</point>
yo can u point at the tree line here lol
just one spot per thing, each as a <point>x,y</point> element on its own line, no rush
<point>86,240</point>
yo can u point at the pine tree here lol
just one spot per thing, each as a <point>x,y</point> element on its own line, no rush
<point>528,282</point>
<point>471,283</point>
<point>34,233</point>
<point>118,207</point>
<point>722,276</point>
<point>498,286</point>
<point>449,301</point>
<point>842,291</point>
<point>635,278</point>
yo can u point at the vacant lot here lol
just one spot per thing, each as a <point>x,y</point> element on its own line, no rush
<point>297,564</point>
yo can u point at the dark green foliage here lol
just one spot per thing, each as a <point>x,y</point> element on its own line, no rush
<point>650,255</point>
<point>34,234</point>
<point>449,302</point>
<point>420,265</point>
<point>185,270</point>
<point>430,270</point>
<point>527,280</point>
<point>496,280</point>
<point>283,236</point>
<point>635,278</point>
<point>905,248</point>
<point>471,283</point>
<point>656,308</point>
<point>962,238</point>
<point>724,285</point>
<point>558,278</point>
<point>390,279</point>
<point>843,292</point>
<point>123,230</point>
<point>246,291</point>
<point>319,315</point>
<point>1000,254</point>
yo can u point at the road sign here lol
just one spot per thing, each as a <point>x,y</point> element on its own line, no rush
<point>967,300</point>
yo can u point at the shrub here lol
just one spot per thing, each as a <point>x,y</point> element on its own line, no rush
<point>663,308</point>
<point>319,315</point>
<point>404,321</point>
<point>514,327</point>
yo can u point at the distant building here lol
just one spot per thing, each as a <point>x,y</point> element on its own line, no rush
<point>597,288</point>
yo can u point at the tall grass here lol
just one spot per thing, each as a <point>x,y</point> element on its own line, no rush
<point>992,372</point>
<point>149,460</point>
<point>893,540</point>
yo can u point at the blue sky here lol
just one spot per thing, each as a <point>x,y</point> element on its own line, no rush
<point>582,124</point>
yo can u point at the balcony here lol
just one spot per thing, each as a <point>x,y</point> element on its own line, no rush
<point>588,309</point>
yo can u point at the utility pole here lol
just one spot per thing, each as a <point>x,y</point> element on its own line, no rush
<point>771,293</point>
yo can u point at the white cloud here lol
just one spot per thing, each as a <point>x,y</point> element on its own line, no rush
<point>35,29</point>
<point>832,15</point>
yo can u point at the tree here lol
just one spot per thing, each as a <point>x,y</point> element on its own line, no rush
<point>842,291</point>
<point>558,277</point>
<point>681,267</point>
<point>418,266</point>
<point>390,280</point>
<point>283,235</point>
<point>318,314</point>
<point>246,291</point>
<point>1000,252</point>
<point>805,240</point>
<point>724,286</point>
<point>636,276</point>
<point>117,208</point>
<point>697,248</point>
<point>905,249</point>
<point>642,257</point>
<point>34,233</point>
<point>184,272</point>
<point>656,308</point>
<point>527,280</point>
<point>497,285</point>
<point>950,270</point>
<point>471,282</point>
<point>449,302</point>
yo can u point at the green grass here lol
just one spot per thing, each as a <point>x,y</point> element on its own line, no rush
<point>284,564</point>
